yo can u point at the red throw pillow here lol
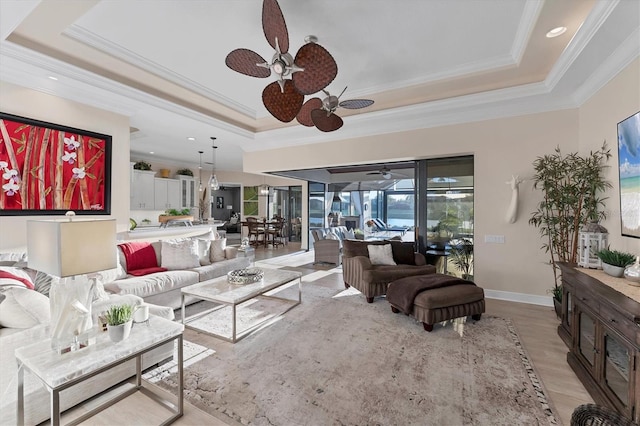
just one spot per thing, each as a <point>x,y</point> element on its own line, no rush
<point>26,282</point>
<point>139,255</point>
<point>147,271</point>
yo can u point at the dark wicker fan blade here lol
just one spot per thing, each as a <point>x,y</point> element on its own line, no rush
<point>283,106</point>
<point>244,61</point>
<point>319,69</point>
<point>274,26</point>
<point>304,116</point>
<point>356,103</point>
<point>324,122</point>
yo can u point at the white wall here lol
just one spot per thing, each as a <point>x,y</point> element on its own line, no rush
<point>501,147</point>
<point>36,105</point>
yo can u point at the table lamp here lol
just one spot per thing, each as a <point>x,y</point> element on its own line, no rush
<point>67,249</point>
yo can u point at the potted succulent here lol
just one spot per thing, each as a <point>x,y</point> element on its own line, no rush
<point>118,318</point>
<point>571,186</point>
<point>614,262</point>
<point>142,165</point>
<point>184,172</point>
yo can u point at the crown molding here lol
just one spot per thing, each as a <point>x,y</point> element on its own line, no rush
<point>596,18</point>
<point>532,9</point>
<point>86,37</point>
<point>619,59</point>
<point>120,93</point>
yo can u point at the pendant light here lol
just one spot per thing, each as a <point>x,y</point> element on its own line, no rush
<point>213,180</point>
<point>200,188</point>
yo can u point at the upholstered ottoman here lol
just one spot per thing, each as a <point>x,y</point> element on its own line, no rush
<point>435,298</point>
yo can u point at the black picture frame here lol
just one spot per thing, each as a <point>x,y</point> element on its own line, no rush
<point>49,169</point>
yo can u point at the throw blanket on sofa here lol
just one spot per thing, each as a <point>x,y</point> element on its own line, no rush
<point>140,258</point>
<point>401,293</point>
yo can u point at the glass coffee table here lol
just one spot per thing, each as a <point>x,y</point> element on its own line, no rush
<point>238,299</point>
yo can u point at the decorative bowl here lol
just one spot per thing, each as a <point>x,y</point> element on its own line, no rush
<point>245,276</point>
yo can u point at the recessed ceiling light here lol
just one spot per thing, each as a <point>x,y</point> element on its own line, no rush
<point>556,32</point>
<point>191,138</point>
<point>151,152</point>
<point>53,78</point>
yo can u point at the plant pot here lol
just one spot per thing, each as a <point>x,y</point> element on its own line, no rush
<point>117,333</point>
<point>557,305</point>
<point>614,271</point>
<point>165,218</point>
<point>164,173</point>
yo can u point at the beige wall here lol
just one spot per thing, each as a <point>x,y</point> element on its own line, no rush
<point>517,269</point>
<point>599,116</point>
<point>32,104</point>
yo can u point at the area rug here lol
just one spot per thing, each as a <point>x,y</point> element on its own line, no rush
<point>337,360</point>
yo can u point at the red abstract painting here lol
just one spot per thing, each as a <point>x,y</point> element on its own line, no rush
<point>49,169</point>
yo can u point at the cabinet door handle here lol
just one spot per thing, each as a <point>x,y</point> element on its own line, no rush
<point>613,320</point>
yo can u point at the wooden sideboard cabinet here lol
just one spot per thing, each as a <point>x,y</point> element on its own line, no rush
<point>600,323</point>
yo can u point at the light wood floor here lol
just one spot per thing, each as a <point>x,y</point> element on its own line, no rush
<point>536,326</point>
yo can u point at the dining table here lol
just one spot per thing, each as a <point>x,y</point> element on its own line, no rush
<point>264,227</point>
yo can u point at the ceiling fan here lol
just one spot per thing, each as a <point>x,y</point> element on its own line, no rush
<point>386,173</point>
<point>311,71</point>
<point>321,113</point>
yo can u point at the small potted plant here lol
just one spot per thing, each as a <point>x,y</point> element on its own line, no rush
<point>118,318</point>
<point>614,262</point>
<point>142,165</point>
<point>184,172</point>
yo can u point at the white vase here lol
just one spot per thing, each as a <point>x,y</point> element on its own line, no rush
<point>614,271</point>
<point>118,333</point>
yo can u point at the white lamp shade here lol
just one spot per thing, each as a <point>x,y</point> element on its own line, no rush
<point>65,248</point>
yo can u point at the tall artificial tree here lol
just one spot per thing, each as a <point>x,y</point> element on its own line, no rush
<point>572,188</point>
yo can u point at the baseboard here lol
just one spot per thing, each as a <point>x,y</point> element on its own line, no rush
<point>519,297</point>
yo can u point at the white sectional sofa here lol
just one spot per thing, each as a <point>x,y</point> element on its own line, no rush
<point>160,289</point>
<point>163,288</point>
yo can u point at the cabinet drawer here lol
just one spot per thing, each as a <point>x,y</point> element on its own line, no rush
<point>587,299</point>
<point>624,326</point>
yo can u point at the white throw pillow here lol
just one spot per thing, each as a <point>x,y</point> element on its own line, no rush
<point>349,234</point>
<point>381,254</point>
<point>231,252</point>
<point>180,254</point>
<point>217,249</point>
<point>331,236</point>
<point>23,308</point>
<point>204,251</point>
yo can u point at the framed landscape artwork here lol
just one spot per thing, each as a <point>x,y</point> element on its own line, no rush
<point>629,169</point>
<point>49,169</point>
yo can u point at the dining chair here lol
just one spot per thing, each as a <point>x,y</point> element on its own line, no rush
<point>275,234</point>
<point>256,232</point>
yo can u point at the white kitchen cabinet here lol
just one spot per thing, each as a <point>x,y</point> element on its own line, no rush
<point>142,190</point>
<point>167,194</point>
<point>188,192</point>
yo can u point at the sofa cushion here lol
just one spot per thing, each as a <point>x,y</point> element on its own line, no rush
<point>381,254</point>
<point>353,248</point>
<point>24,308</point>
<point>220,269</point>
<point>386,274</point>
<point>217,249</point>
<point>153,284</point>
<point>180,254</point>
<point>204,251</point>
<point>403,252</point>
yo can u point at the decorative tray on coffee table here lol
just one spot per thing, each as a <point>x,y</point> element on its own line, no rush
<point>245,276</point>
